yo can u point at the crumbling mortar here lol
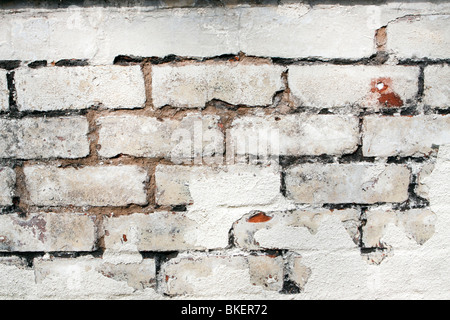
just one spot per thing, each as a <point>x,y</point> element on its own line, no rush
<point>37,64</point>
<point>71,63</point>
<point>423,62</point>
<point>289,286</point>
<point>374,59</point>
<point>10,64</point>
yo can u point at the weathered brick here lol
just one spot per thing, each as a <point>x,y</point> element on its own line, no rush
<point>55,34</point>
<point>62,88</point>
<point>297,271</point>
<point>289,31</point>
<point>419,36</point>
<point>87,276</point>
<point>219,196</point>
<point>311,229</point>
<point>4,93</point>
<point>347,183</point>
<point>47,232</point>
<point>7,182</point>
<point>328,86</point>
<point>158,231</point>
<point>437,86</point>
<point>36,138</point>
<point>233,185</point>
<point>192,85</point>
<point>138,276</point>
<point>87,186</point>
<point>415,224</point>
<point>172,184</point>
<point>180,140</point>
<point>423,174</point>
<point>404,136</point>
<point>216,275</point>
<point>299,134</point>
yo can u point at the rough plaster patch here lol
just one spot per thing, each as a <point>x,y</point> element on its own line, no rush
<point>306,229</point>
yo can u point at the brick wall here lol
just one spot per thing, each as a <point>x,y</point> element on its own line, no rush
<point>279,150</point>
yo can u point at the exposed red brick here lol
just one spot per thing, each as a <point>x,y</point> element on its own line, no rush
<point>387,97</point>
<point>259,217</point>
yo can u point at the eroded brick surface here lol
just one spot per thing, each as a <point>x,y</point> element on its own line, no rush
<point>4,93</point>
<point>437,88</point>
<point>294,135</point>
<point>347,183</point>
<point>94,186</point>
<point>77,276</point>
<point>329,86</point>
<point>313,229</point>
<point>415,224</point>
<point>62,88</point>
<point>193,85</point>
<point>48,232</point>
<point>404,136</point>
<point>220,275</point>
<point>7,182</point>
<point>415,37</point>
<point>152,137</point>
<point>159,231</point>
<point>38,138</point>
<point>251,185</point>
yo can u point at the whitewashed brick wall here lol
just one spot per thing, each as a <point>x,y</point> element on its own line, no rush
<point>285,150</point>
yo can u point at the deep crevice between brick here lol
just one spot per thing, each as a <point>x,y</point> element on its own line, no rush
<point>160,259</point>
<point>72,63</point>
<point>375,59</point>
<point>10,64</point>
<point>37,64</point>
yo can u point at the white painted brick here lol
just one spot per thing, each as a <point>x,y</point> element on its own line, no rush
<point>231,186</point>
<point>404,136</point>
<point>201,32</point>
<point>297,271</point>
<point>222,275</point>
<point>43,35</point>
<point>91,277</point>
<point>328,86</point>
<point>87,186</point>
<point>100,34</point>
<point>4,92</point>
<point>62,88</point>
<point>47,232</point>
<point>422,190</point>
<point>291,31</point>
<point>178,140</point>
<point>80,278</point>
<point>386,228</point>
<point>172,185</point>
<point>158,231</point>
<point>437,86</point>
<point>417,37</point>
<point>192,85</point>
<point>347,183</point>
<point>7,182</point>
<point>310,229</point>
<point>298,134</point>
<point>31,138</point>
<point>216,197</point>
<point>236,185</point>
